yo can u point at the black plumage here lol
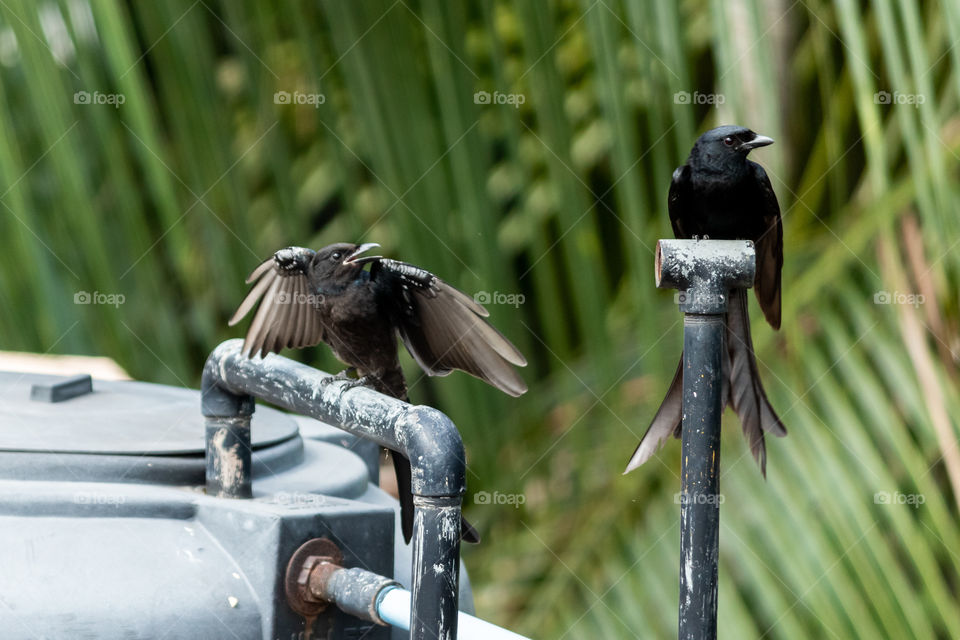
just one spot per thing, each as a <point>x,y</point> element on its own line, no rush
<point>720,194</point>
<point>306,297</point>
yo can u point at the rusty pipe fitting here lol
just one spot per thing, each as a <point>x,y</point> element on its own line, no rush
<point>315,579</point>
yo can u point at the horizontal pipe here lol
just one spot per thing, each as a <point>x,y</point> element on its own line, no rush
<point>355,591</point>
<point>393,607</point>
<point>427,437</point>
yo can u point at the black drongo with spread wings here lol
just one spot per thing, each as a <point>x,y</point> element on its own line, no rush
<point>307,297</point>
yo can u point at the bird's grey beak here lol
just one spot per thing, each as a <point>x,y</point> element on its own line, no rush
<point>354,258</point>
<point>758,141</point>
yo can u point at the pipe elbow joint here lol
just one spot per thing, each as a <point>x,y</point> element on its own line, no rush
<point>435,449</point>
<point>215,399</point>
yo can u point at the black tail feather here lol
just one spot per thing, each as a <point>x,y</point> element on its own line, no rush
<point>743,390</point>
<point>666,422</point>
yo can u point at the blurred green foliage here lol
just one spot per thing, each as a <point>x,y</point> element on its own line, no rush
<point>159,150</point>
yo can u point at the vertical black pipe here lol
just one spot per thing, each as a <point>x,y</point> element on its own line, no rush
<point>704,271</point>
<point>436,568</point>
<point>228,441</point>
<point>703,337</point>
<point>228,457</point>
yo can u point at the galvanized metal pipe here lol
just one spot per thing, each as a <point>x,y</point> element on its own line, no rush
<point>318,580</point>
<point>704,271</point>
<point>426,436</point>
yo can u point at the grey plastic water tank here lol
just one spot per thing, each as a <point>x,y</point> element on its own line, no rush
<point>106,532</point>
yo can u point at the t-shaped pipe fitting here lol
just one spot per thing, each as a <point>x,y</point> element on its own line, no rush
<point>704,271</point>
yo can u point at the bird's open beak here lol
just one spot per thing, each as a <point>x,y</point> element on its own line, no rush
<point>354,258</point>
<point>758,141</point>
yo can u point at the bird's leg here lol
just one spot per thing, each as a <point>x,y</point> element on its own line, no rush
<point>347,377</point>
<point>358,382</point>
<point>346,374</point>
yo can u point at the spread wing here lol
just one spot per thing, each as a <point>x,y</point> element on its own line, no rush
<point>769,248</point>
<point>444,329</point>
<point>286,316</point>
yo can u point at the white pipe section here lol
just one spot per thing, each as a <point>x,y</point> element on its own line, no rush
<point>393,607</point>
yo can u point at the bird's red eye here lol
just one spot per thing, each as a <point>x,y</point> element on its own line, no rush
<point>728,141</point>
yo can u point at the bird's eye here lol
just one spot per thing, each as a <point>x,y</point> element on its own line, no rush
<point>335,256</point>
<point>728,141</point>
